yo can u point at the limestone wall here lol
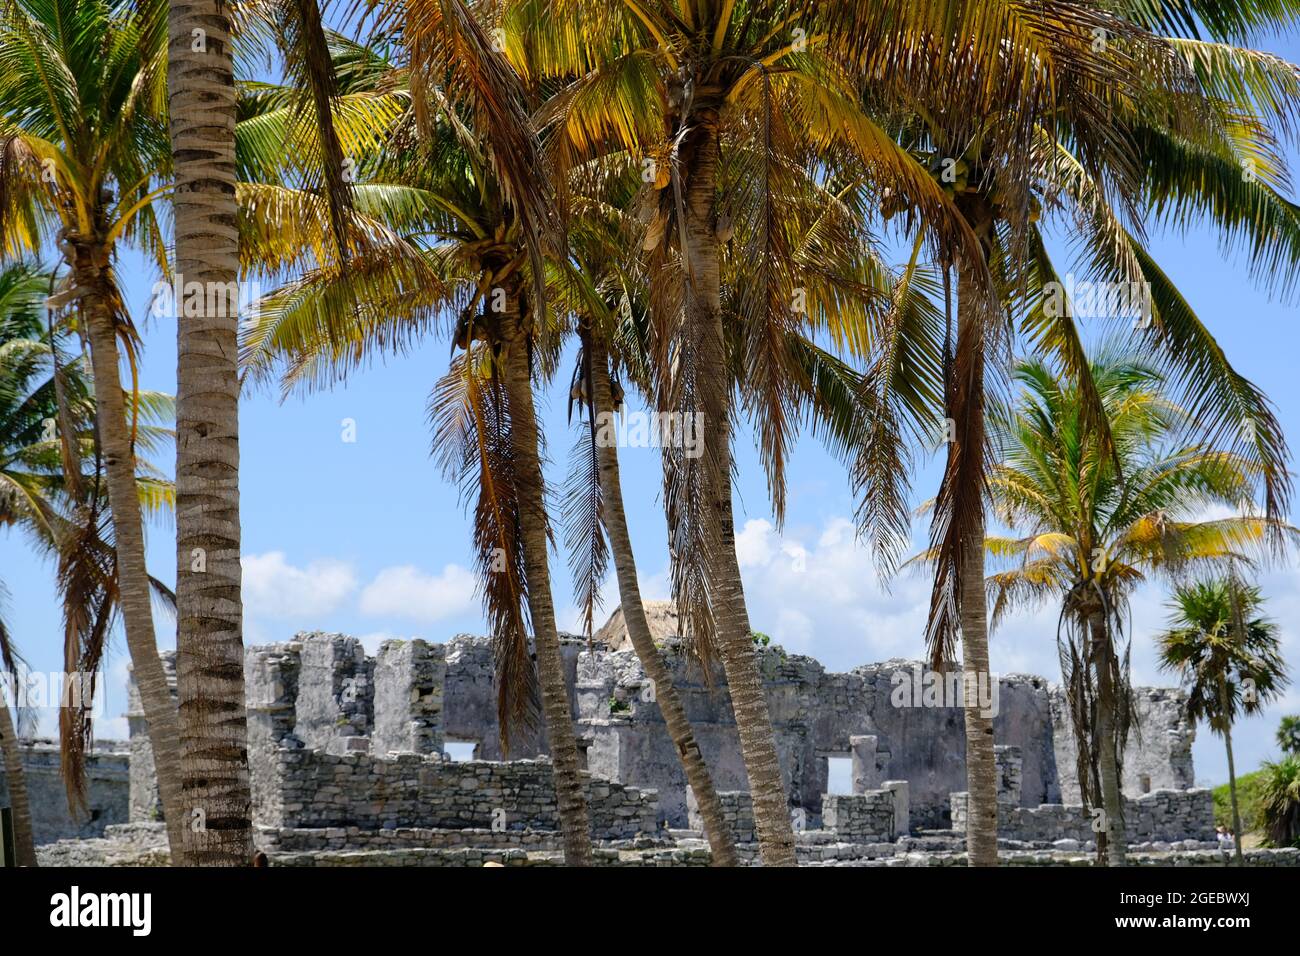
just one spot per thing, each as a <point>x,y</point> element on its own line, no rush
<point>818,714</point>
<point>1159,751</point>
<point>311,770</point>
<point>1160,816</point>
<point>860,817</point>
<point>325,693</point>
<point>319,790</point>
<point>108,789</point>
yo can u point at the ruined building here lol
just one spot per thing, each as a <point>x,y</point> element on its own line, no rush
<point>348,753</point>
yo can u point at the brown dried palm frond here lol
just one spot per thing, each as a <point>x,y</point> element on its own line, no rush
<point>583,508</point>
<point>470,416</point>
<point>981,353</point>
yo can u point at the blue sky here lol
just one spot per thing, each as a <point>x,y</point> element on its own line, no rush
<point>366,537</point>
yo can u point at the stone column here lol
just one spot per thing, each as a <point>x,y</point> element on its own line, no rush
<point>1009,763</point>
<point>335,693</point>
<point>271,677</point>
<point>862,767</point>
<point>902,806</point>
<point>409,679</point>
<point>271,693</point>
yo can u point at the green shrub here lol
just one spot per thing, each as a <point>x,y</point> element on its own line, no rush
<point>1249,795</point>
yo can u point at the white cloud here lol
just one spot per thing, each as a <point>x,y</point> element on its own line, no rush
<point>406,591</point>
<point>816,592</point>
<point>275,588</point>
<point>754,543</point>
<point>372,640</point>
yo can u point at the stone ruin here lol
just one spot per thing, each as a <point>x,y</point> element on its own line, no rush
<point>349,761</point>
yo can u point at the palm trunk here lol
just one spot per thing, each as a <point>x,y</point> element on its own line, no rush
<point>209,632</point>
<point>1232,781</point>
<point>570,795</point>
<point>1112,797</point>
<point>16,781</point>
<point>89,263</point>
<point>981,764</point>
<point>730,617</point>
<point>721,839</point>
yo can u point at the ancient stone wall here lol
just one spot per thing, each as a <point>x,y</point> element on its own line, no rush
<point>860,817</point>
<point>1160,816</point>
<point>312,771</point>
<point>107,785</point>
<point>470,699</point>
<point>817,715</point>
<point>324,694</point>
<point>1158,755</point>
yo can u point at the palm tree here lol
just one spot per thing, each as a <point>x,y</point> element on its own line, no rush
<point>82,130</point>
<point>209,632</point>
<point>1280,801</point>
<point>1070,163</point>
<point>1096,515</point>
<point>433,232</point>
<point>595,292</point>
<point>24,497</point>
<point>1229,658</point>
<point>205,204</point>
<point>721,105</point>
<point>1288,735</point>
<point>51,488</point>
<point>724,103</point>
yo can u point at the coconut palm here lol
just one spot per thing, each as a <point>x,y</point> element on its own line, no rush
<point>202,110</point>
<point>434,234</point>
<point>1077,155</point>
<point>722,104</point>
<point>1228,657</point>
<point>83,136</point>
<point>23,425</point>
<point>1094,517</point>
<point>599,296</point>
<point>51,488</point>
<point>209,632</point>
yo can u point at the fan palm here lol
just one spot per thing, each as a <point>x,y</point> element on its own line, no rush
<point>1096,515</point>
<point>1288,734</point>
<point>1229,659</point>
<point>1280,801</point>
